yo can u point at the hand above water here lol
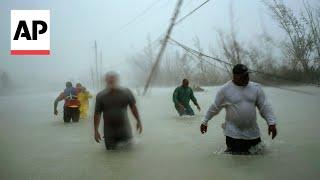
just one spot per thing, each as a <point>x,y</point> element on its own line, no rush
<point>272,129</point>
<point>203,128</point>
<point>139,127</point>
<point>97,136</point>
<point>198,107</point>
<point>181,107</point>
<point>55,112</point>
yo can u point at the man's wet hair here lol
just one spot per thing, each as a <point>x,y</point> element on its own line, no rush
<point>79,84</point>
<point>184,80</point>
<point>112,74</point>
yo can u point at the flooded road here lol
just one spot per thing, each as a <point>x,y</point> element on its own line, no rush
<point>35,145</point>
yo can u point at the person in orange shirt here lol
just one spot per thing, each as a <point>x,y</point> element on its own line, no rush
<point>71,104</point>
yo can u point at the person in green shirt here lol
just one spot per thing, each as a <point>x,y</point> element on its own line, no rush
<point>181,99</point>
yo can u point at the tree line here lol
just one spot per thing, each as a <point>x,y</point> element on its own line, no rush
<point>294,59</point>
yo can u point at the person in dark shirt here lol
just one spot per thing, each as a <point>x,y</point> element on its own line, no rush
<point>112,102</point>
<point>181,98</point>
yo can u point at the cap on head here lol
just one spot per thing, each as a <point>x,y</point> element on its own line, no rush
<point>68,84</point>
<point>240,69</point>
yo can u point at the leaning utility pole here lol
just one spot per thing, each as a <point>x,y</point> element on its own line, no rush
<point>163,46</point>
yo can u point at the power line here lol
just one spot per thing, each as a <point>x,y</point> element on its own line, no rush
<point>188,49</point>
<point>191,12</point>
<point>195,56</point>
<point>266,84</point>
<point>180,20</point>
<point>134,19</point>
<point>199,53</point>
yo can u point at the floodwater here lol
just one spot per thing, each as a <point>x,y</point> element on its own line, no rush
<point>35,145</point>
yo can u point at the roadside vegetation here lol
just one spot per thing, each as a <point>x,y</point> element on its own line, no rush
<point>294,59</point>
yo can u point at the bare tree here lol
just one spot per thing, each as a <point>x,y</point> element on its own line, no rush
<point>300,45</point>
<point>232,50</point>
<point>300,53</point>
<point>312,18</point>
<point>200,64</point>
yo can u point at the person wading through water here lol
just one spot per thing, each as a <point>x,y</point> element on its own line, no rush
<point>112,102</point>
<point>240,98</point>
<point>181,98</point>
<point>71,104</point>
<point>84,97</point>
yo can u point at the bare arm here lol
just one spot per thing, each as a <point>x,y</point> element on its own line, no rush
<point>96,121</point>
<point>56,101</point>
<point>135,113</point>
<point>134,110</point>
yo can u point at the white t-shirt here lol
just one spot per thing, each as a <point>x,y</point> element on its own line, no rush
<point>240,103</point>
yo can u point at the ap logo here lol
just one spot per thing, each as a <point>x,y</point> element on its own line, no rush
<point>30,32</point>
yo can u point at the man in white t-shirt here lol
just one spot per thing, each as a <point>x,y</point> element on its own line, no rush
<point>240,98</point>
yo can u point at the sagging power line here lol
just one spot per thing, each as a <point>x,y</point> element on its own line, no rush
<point>158,39</point>
<point>134,19</point>
<point>195,52</point>
<point>191,12</point>
<point>195,56</point>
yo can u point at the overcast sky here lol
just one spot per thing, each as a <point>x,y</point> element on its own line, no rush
<point>76,24</point>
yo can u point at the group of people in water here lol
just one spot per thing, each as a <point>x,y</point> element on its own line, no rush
<point>76,102</point>
<point>239,97</point>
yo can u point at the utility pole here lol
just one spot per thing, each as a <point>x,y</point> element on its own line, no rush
<point>92,77</point>
<point>100,69</point>
<point>163,46</point>
<point>96,62</point>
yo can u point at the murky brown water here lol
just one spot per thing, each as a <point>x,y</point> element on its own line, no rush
<point>34,145</point>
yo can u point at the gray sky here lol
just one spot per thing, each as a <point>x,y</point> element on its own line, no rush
<point>76,24</point>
